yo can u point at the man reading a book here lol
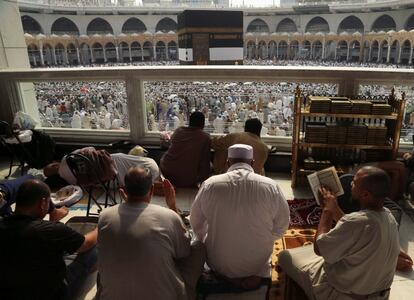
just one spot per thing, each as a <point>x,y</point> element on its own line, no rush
<point>357,258</point>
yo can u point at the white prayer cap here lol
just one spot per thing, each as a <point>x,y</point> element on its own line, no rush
<point>241,151</point>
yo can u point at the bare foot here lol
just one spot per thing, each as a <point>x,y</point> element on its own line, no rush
<point>58,214</point>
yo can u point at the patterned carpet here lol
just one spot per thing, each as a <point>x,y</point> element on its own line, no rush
<point>304,215</point>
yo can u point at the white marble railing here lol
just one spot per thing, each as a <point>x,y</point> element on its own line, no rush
<point>15,88</point>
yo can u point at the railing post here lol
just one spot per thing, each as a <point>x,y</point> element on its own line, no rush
<point>136,108</point>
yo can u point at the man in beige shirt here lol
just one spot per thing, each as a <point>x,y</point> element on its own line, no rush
<point>250,137</point>
<point>357,258</point>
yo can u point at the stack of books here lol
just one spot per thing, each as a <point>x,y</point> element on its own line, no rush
<point>336,133</point>
<point>361,107</point>
<point>316,133</point>
<point>341,106</point>
<point>381,109</point>
<point>357,134</point>
<point>311,164</point>
<point>377,135</point>
<point>319,104</point>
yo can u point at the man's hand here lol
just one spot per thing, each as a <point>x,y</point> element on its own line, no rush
<point>328,200</point>
<point>407,156</point>
<point>404,262</point>
<point>169,193</point>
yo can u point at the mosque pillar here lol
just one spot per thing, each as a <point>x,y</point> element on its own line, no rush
<point>347,53</point>
<point>277,50</point>
<point>130,53</point>
<point>369,53</point>
<point>78,55</point>
<point>336,51</point>
<point>399,55</point>
<point>117,53</point>
<point>42,60</point>
<point>166,52</point>
<point>54,56</point>
<point>411,56</point>
<point>388,53</point>
<point>142,53</point>
<point>323,50</point>
<point>92,58</point>
<point>65,56</point>
<point>104,54</point>
<point>379,54</point>
<point>154,52</point>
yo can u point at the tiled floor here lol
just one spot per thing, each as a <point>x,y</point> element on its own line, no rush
<point>403,286</point>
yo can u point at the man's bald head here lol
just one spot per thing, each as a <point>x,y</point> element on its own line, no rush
<point>138,182</point>
<point>374,180</point>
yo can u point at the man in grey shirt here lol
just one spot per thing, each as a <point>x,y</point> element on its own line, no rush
<point>144,249</point>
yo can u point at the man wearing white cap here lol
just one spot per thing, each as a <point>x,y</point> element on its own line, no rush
<point>239,215</point>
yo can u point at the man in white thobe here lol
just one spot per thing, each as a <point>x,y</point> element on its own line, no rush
<point>357,258</point>
<point>239,215</point>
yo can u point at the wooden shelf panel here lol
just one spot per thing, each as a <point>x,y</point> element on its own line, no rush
<point>306,113</point>
<point>308,172</point>
<point>345,146</point>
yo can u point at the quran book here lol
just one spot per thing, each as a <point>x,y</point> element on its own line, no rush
<point>325,178</point>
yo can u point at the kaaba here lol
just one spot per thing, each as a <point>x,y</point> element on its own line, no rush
<point>210,37</point>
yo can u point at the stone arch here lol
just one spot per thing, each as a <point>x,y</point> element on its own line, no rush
<point>405,51</point>
<point>317,24</point>
<point>98,53</point>
<point>85,54</point>
<point>148,51</point>
<point>283,48</point>
<point>330,50</point>
<point>305,50</point>
<point>136,51</point>
<point>258,25</point>
<point>60,52</point>
<point>160,50</point>
<point>294,49</point>
<point>172,51</point>
<point>133,25</point>
<point>30,25</point>
<point>375,50</point>
<point>72,54</point>
<point>354,51</point>
<point>409,25</point>
<point>394,52</point>
<point>64,26</point>
<point>124,52</point>
<point>99,26</point>
<point>383,51</point>
<point>384,23</point>
<point>342,51</point>
<point>272,49</point>
<point>286,25</point>
<point>251,50</point>
<point>166,25</point>
<point>351,24</point>
<point>110,52</point>
<point>34,55</point>
<point>317,50</point>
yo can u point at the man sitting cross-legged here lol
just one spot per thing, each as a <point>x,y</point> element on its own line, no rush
<point>144,249</point>
<point>239,215</point>
<point>357,258</point>
<point>34,252</point>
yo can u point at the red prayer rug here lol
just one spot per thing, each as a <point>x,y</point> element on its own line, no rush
<point>304,212</point>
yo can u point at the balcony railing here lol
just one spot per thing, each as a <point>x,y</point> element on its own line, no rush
<point>15,89</point>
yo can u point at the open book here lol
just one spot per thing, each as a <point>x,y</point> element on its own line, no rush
<point>327,178</point>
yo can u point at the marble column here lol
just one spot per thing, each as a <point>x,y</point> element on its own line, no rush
<point>78,56</point>
<point>117,53</point>
<point>104,54</point>
<point>166,52</point>
<point>388,53</point>
<point>142,53</point>
<point>130,53</point>
<point>399,55</point>
<point>92,58</point>
<point>411,56</point>
<point>154,52</point>
<point>54,55</point>
<point>347,53</point>
<point>42,60</point>
<point>65,56</point>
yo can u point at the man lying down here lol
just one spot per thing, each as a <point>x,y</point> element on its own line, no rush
<point>122,163</point>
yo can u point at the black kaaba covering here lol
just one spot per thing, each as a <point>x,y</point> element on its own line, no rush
<point>210,37</point>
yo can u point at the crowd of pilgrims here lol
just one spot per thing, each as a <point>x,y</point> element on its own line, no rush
<point>226,105</point>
